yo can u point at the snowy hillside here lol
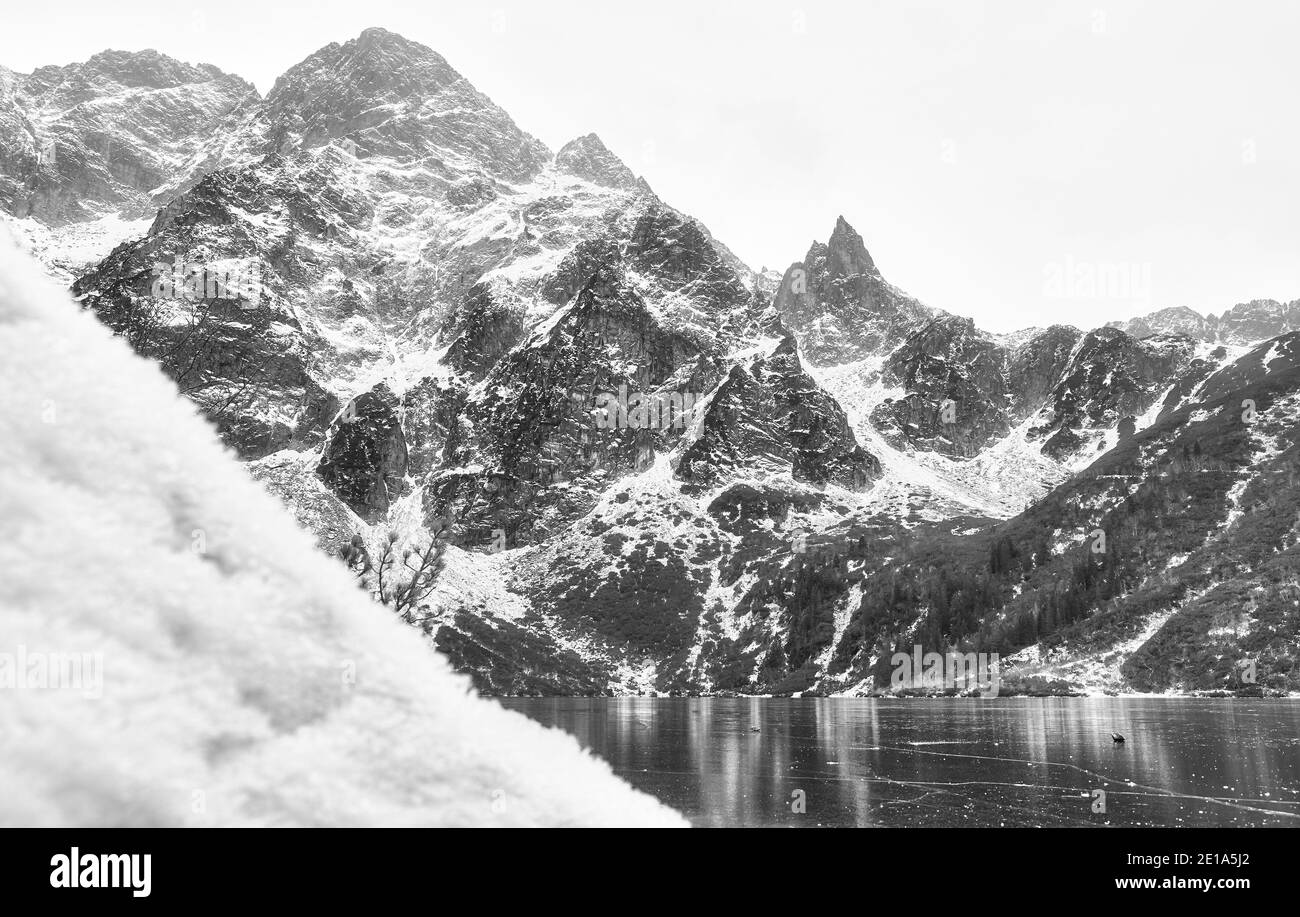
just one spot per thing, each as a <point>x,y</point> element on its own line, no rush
<point>228,673</point>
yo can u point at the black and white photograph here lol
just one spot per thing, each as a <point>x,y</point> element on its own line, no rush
<point>716,414</point>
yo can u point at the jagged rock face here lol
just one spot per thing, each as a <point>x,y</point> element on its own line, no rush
<point>481,332</point>
<point>957,387</point>
<point>648,307</point>
<point>770,416</point>
<point>840,307</point>
<point>1245,323</point>
<point>320,222</point>
<point>1258,320</point>
<point>101,136</point>
<point>404,229</point>
<point>1036,366</point>
<point>1110,376</point>
<point>587,259</point>
<point>340,303</point>
<point>677,253</point>
<point>665,254</point>
<point>397,98</point>
<point>1197,571</point>
<point>365,455</point>
<point>542,432</point>
<point>965,391</point>
<point>432,419</point>
<point>1174,320</point>
<point>588,157</point>
<point>241,351</point>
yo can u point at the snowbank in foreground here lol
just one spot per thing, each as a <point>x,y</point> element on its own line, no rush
<point>174,651</point>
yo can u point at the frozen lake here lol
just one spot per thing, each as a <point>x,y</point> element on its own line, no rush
<point>1010,761</point>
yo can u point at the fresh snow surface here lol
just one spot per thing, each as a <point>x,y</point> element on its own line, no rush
<point>65,251</point>
<point>1094,671</point>
<point>243,679</point>
<point>998,483</point>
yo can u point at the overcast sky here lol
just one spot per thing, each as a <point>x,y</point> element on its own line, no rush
<point>993,155</point>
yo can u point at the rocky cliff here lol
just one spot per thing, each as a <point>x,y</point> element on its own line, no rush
<point>647,467</point>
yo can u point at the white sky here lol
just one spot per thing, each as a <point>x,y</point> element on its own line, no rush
<point>978,147</point>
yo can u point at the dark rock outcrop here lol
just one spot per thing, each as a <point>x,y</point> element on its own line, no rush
<point>365,455</point>
<point>769,416</point>
<point>1109,377</point>
<point>1035,367</point>
<point>958,392</point>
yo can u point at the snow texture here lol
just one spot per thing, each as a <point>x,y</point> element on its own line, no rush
<point>245,679</point>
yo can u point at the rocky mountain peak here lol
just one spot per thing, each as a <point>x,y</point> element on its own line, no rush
<point>1258,320</point>
<point>840,306</point>
<point>107,133</point>
<point>375,55</point>
<point>588,157</point>
<point>70,84</point>
<point>846,253</point>
<point>557,372</point>
<point>1245,323</point>
<point>396,97</point>
<point>1179,319</point>
<point>383,41</point>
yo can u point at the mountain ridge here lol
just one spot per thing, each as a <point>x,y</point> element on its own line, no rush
<point>442,312</point>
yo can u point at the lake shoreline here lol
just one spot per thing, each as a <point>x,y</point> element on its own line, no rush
<point>911,695</point>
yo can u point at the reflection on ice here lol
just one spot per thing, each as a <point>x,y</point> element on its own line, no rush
<point>1010,761</point>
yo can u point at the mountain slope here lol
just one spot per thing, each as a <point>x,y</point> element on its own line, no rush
<point>438,310</point>
<point>1165,565</point>
<point>230,674</point>
<point>647,468</point>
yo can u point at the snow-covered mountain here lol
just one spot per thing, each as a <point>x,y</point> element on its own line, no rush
<point>175,652</point>
<point>88,151</point>
<point>1245,323</point>
<point>654,468</point>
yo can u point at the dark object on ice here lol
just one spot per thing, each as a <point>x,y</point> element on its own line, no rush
<point>754,729</point>
<point>1116,737</point>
